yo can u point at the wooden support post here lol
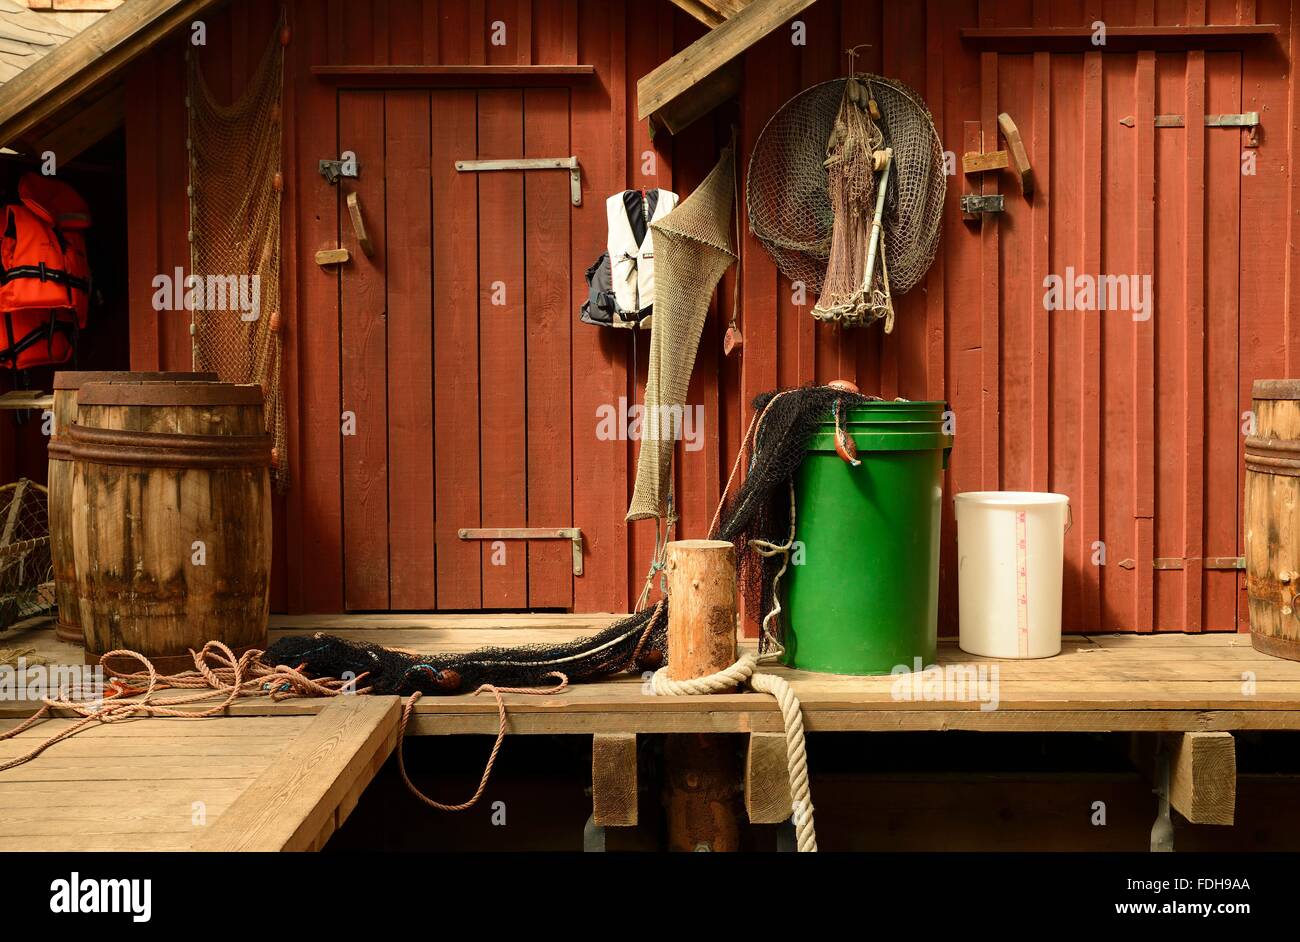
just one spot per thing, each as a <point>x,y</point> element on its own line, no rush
<point>613,779</point>
<point>703,770</point>
<point>767,779</point>
<point>702,613</point>
<point>1202,773</point>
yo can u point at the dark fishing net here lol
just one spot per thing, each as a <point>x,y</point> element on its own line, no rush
<point>638,642</point>
<point>758,511</point>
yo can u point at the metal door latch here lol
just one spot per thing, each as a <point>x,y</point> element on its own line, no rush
<point>973,203</point>
<point>572,534</point>
<point>533,163</point>
<point>334,170</point>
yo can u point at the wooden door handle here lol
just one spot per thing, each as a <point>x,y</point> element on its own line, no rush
<point>359,224</point>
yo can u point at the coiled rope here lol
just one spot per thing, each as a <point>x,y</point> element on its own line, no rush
<point>745,670</point>
<point>217,674</point>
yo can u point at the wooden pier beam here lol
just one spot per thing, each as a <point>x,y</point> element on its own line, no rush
<point>1202,773</point>
<point>614,779</point>
<point>767,779</point>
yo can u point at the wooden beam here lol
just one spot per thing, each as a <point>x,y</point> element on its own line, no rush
<point>706,14</point>
<point>1202,773</point>
<point>767,779</point>
<point>453,76</point>
<point>614,779</point>
<point>70,138</point>
<point>1119,38</point>
<point>68,72</point>
<point>692,72</point>
<point>975,162</point>
<point>298,801</point>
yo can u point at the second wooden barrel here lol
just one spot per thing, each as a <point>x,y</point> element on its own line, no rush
<point>66,384</point>
<point>171,519</point>
<point>1273,518</point>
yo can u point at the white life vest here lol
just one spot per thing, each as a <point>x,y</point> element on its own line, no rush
<point>632,266</point>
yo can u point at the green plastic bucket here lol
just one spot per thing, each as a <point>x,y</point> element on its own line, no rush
<point>861,593</point>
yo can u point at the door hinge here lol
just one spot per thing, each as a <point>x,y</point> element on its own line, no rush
<point>1179,562</point>
<point>532,163</point>
<point>573,534</point>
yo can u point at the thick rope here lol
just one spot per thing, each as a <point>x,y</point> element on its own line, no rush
<point>727,680</point>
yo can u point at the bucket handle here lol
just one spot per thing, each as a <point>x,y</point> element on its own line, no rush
<point>1069,515</point>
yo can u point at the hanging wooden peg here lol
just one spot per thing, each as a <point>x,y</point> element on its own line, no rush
<point>1018,153</point>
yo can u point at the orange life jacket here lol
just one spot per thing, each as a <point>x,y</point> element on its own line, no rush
<point>44,273</point>
<point>37,338</point>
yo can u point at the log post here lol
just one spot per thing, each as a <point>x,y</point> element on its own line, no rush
<point>702,607</point>
<point>704,771</point>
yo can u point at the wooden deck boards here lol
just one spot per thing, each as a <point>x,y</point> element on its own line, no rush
<point>238,783</point>
<point>1099,683</point>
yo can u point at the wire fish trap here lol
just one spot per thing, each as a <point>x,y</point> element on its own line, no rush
<point>26,567</point>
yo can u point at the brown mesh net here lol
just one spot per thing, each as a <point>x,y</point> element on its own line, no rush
<point>693,248</point>
<point>234,190</point>
<point>804,177</point>
<point>26,568</point>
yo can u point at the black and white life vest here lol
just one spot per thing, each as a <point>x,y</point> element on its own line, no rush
<point>631,245</point>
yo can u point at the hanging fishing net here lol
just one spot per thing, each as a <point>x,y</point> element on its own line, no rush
<point>26,567</point>
<point>235,183</point>
<point>810,174</point>
<point>693,248</point>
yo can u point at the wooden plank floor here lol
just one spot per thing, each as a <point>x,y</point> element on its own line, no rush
<point>228,783</point>
<point>1098,683</point>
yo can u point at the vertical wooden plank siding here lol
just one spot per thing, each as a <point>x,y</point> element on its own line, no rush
<point>1144,400</point>
<point>408,224</point>
<point>363,366</point>
<point>474,414</point>
<point>600,468</point>
<point>1193,335</point>
<point>1088,509</point>
<point>503,386</point>
<point>455,348</point>
<point>548,323</point>
<point>990,406</point>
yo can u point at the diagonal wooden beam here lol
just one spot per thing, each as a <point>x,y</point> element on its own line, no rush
<point>87,59</point>
<point>704,74</point>
<point>702,11</point>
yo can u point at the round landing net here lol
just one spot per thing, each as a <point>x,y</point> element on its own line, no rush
<point>789,188</point>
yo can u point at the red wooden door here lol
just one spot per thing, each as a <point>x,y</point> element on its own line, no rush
<point>1125,393</point>
<point>455,350</point>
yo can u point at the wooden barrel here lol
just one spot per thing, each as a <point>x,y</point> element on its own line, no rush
<point>171,519</point>
<point>1273,518</point>
<point>66,383</point>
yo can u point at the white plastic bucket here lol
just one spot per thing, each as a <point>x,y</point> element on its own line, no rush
<point>1010,559</point>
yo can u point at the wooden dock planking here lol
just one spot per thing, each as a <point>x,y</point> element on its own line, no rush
<point>1166,682</point>
<point>251,783</point>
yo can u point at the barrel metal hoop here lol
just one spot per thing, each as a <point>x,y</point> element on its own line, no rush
<point>159,449</point>
<point>1288,648</point>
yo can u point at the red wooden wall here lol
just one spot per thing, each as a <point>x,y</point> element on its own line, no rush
<point>1138,422</point>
